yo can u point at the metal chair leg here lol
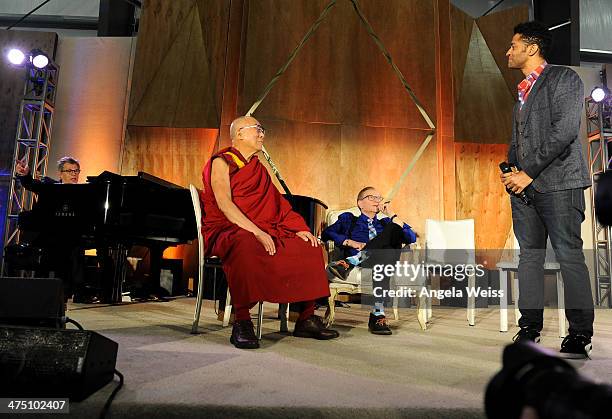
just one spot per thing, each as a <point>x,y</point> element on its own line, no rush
<point>429,310</point>
<point>503,300</point>
<point>283,311</point>
<point>422,312</point>
<point>199,296</point>
<point>471,302</point>
<point>515,291</point>
<point>395,308</point>
<point>259,320</point>
<point>228,309</point>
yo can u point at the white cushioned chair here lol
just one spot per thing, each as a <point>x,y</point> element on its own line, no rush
<point>452,242</point>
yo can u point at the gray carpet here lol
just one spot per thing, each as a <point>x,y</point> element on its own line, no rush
<point>438,373</point>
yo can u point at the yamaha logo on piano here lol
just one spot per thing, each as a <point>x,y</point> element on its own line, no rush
<point>65,211</point>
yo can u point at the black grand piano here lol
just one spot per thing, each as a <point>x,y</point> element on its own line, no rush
<point>112,213</point>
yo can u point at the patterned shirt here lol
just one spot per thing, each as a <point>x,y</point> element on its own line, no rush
<point>524,87</point>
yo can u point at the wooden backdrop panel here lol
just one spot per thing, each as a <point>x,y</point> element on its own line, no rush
<point>160,24</point>
<point>333,162</point>
<point>480,195</point>
<point>378,156</point>
<point>497,30</point>
<point>297,94</point>
<point>484,111</point>
<point>202,90</point>
<point>178,74</point>
<point>340,75</point>
<point>461,32</point>
<point>307,155</point>
<point>406,28</point>
<point>174,154</point>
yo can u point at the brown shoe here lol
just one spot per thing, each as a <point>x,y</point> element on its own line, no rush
<point>243,335</point>
<point>313,328</point>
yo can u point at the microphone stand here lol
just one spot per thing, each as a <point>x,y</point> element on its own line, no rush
<point>275,171</point>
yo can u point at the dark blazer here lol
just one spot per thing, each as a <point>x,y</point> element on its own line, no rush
<point>32,184</point>
<point>549,149</point>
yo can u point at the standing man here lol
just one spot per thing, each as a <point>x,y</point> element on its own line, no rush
<point>553,174</point>
<point>64,253</point>
<point>267,249</point>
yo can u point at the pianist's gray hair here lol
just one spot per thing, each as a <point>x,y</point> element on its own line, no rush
<point>67,159</point>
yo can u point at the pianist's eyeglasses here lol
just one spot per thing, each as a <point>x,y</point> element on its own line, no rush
<point>374,198</point>
<point>72,171</point>
<point>259,128</point>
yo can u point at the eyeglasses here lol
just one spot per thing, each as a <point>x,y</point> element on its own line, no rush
<point>260,129</point>
<point>375,198</point>
<point>72,171</point>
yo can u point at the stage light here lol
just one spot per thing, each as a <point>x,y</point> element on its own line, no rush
<point>15,56</point>
<point>39,59</point>
<point>598,94</point>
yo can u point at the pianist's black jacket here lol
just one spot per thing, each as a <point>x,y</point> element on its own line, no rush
<point>28,182</point>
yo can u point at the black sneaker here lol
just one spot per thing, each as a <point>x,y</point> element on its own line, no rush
<point>341,269</point>
<point>576,346</point>
<point>378,325</point>
<point>527,334</point>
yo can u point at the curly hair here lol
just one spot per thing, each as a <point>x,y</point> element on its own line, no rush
<point>535,33</point>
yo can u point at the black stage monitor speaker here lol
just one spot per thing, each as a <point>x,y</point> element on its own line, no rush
<point>40,362</point>
<point>32,302</point>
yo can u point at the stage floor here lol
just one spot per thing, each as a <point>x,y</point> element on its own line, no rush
<point>440,372</point>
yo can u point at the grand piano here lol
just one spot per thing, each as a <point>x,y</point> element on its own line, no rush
<point>112,213</point>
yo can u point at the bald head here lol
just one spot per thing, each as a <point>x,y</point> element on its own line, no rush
<point>240,122</point>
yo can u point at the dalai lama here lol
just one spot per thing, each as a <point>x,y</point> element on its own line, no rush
<point>267,250</point>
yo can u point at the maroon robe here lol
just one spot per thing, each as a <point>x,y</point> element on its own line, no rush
<point>296,272</point>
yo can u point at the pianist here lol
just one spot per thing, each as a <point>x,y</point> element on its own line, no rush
<point>267,250</point>
<point>68,168</point>
<point>64,254</point>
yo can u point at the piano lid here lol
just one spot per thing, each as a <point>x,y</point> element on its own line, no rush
<point>142,177</point>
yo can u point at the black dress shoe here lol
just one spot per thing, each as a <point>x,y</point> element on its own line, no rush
<point>243,335</point>
<point>313,328</point>
<point>378,325</point>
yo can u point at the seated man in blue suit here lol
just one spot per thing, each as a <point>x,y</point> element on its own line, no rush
<point>382,237</point>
